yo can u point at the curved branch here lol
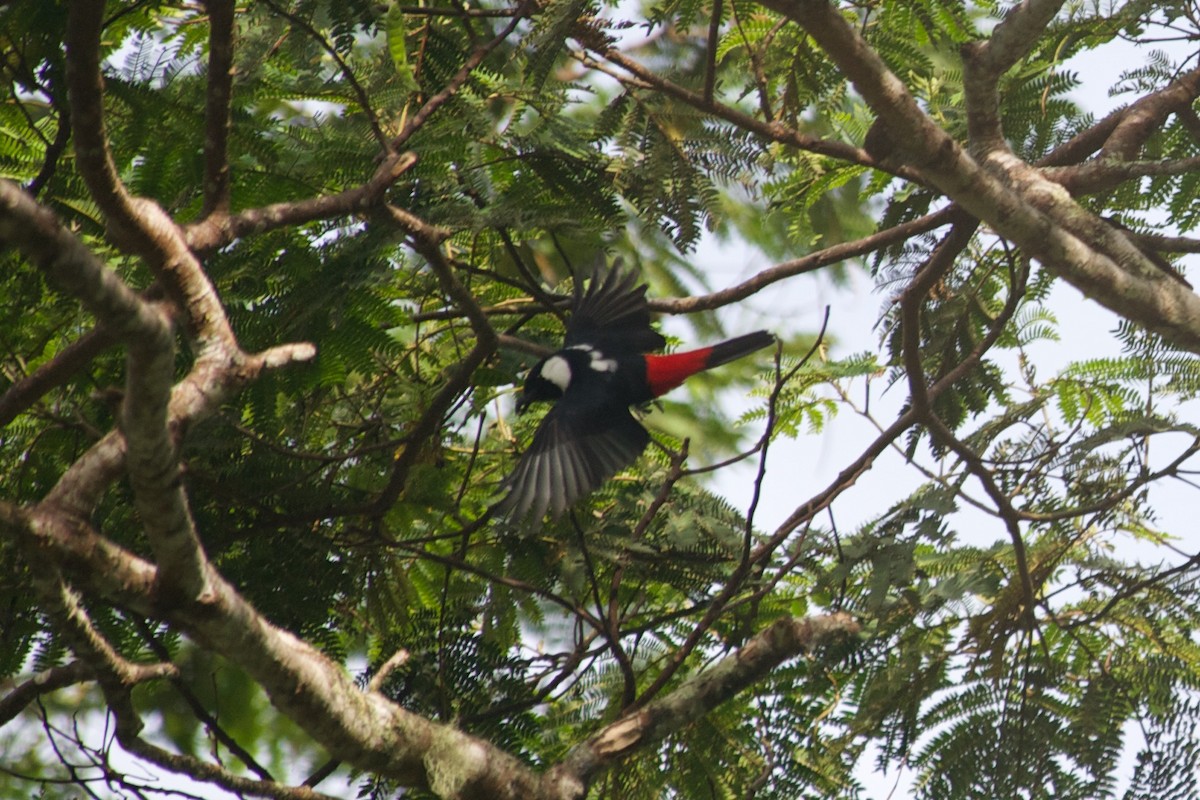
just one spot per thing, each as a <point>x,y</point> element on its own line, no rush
<point>1145,116</point>
<point>135,224</point>
<point>783,640</point>
<point>363,728</point>
<point>774,131</point>
<point>985,61</point>
<point>85,87</point>
<point>427,240</point>
<point>809,263</point>
<point>1023,206</point>
<point>55,372</point>
<point>219,230</point>
<point>44,682</point>
<point>152,463</point>
<point>910,305</point>
<point>193,399</point>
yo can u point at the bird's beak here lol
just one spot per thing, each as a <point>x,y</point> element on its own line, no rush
<point>523,403</point>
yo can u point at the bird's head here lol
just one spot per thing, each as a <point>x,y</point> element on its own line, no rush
<point>547,381</point>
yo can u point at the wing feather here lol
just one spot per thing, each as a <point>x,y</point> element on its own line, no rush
<point>612,315</point>
<point>571,456</point>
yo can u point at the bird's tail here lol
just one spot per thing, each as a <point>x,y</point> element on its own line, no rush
<point>665,372</point>
<point>739,346</point>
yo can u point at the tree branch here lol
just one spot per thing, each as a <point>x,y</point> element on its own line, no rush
<point>427,240</point>
<point>364,100</point>
<point>44,682</point>
<point>1036,214</point>
<point>219,230</point>
<point>809,263</point>
<point>135,224</point>
<point>151,460</point>
<point>1146,116</point>
<point>984,62</point>
<point>773,131</point>
<point>910,306</point>
<point>217,107</point>
<point>783,640</point>
<point>417,121</point>
<point>70,360</point>
<point>85,86</point>
<point>361,728</point>
<point>194,398</point>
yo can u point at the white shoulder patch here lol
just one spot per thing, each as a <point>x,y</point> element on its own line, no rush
<point>599,363</point>
<point>556,370</point>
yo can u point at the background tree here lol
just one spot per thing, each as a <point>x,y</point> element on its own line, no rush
<point>271,270</point>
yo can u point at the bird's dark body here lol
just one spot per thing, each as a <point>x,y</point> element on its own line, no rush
<point>602,370</point>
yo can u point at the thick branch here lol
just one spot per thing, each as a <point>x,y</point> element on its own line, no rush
<point>1146,116</point>
<point>45,682</point>
<point>130,318</point>
<point>1036,214</point>
<point>1093,177</point>
<point>85,86</point>
<point>55,372</point>
<point>216,109</point>
<point>193,399</point>
<point>783,640</point>
<point>152,463</point>
<point>154,469</point>
<point>361,728</point>
<point>219,230</point>
<point>135,223</point>
<point>1015,36</point>
<point>986,61</point>
<point>37,233</point>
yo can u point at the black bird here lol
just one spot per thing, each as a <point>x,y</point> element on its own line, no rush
<point>602,370</point>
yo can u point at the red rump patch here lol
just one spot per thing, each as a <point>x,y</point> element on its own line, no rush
<point>664,373</point>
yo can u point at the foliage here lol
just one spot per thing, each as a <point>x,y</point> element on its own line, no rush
<point>1027,617</point>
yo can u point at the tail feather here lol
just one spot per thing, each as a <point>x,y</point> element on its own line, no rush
<point>665,372</point>
<point>739,346</point>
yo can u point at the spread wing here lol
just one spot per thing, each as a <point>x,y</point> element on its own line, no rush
<point>612,316</point>
<point>574,451</point>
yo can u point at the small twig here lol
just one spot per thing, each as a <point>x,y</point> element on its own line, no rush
<point>364,100</point>
<point>201,713</point>
<point>639,532</point>
<point>427,240</point>
<point>610,629</point>
<point>397,660</point>
<point>710,66</point>
<point>417,120</point>
<point>772,414</point>
<point>938,264</point>
<point>22,394</point>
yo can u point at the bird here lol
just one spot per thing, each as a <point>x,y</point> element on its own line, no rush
<point>605,367</point>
